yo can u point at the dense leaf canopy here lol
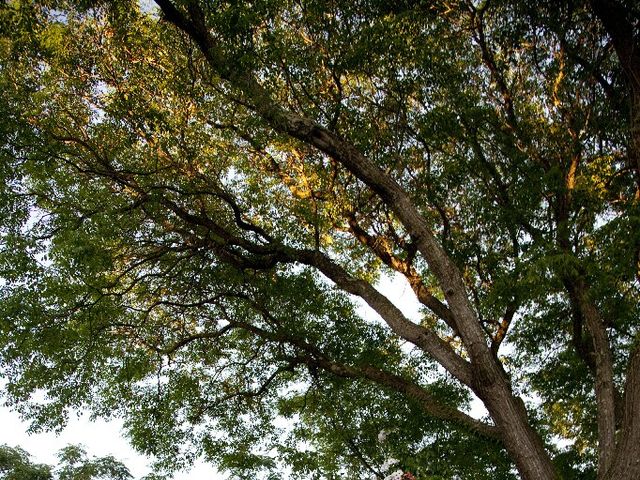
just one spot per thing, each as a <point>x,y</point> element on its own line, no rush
<point>73,464</point>
<point>198,197</point>
<point>15,464</point>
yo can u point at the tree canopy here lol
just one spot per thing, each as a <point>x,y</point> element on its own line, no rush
<point>73,464</point>
<point>197,195</point>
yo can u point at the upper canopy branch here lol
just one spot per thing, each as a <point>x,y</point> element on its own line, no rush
<point>380,246</point>
<point>315,357</point>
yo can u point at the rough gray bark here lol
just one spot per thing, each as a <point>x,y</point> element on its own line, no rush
<point>626,460</point>
<point>604,386</point>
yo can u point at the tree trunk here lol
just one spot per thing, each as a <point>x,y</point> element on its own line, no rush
<point>510,416</point>
<point>603,362</point>
<point>626,461</point>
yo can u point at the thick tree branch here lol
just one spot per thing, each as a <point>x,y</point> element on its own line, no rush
<point>626,41</point>
<point>314,357</point>
<point>425,339</point>
<point>397,383</point>
<point>603,359</point>
<point>626,462</point>
<point>382,249</point>
<point>503,327</point>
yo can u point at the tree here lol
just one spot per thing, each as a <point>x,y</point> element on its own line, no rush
<point>74,465</point>
<point>195,195</point>
<point>15,465</point>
